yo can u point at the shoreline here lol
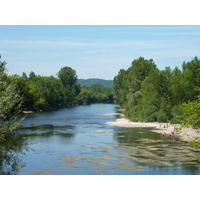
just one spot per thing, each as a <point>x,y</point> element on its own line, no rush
<point>186,134</point>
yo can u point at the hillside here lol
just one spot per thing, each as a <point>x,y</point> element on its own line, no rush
<point>95,81</point>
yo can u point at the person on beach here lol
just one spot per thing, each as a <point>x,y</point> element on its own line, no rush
<point>172,137</point>
<point>164,135</point>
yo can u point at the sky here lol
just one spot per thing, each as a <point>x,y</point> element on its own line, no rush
<point>95,51</point>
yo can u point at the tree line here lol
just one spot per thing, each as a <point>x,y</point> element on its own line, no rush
<point>48,92</point>
<point>95,94</point>
<point>149,94</point>
<point>36,93</point>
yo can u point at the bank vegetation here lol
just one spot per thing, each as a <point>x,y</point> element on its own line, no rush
<point>148,94</point>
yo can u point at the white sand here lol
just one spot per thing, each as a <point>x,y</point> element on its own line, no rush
<point>113,114</point>
<point>122,122</point>
<point>187,134</point>
<point>26,112</point>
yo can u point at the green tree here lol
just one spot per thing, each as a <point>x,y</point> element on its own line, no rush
<point>22,88</point>
<point>190,79</point>
<point>191,112</point>
<point>177,95</point>
<point>12,143</point>
<point>68,76</point>
<point>149,94</point>
<point>149,103</point>
<point>101,93</point>
<point>52,90</point>
<point>35,98</point>
<point>121,87</point>
<point>24,75</point>
<point>175,87</point>
<point>32,76</point>
<point>128,83</point>
<point>10,105</point>
<point>85,96</point>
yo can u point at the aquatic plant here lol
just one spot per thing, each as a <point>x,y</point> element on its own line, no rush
<point>195,143</point>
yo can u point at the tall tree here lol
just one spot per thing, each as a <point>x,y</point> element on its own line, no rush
<point>10,105</point>
<point>192,112</point>
<point>32,76</point>
<point>52,90</point>
<point>24,75</point>
<point>68,76</point>
<point>121,87</point>
<point>190,79</point>
<point>128,84</point>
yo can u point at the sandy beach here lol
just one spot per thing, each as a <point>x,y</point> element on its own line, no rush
<point>187,134</point>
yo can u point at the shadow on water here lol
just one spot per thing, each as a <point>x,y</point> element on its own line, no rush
<point>78,141</point>
<point>47,130</point>
<point>11,154</point>
<point>13,151</point>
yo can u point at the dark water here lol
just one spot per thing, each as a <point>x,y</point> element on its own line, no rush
<point>77,141</point>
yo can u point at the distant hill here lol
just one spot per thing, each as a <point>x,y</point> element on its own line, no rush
<point>95,81</point>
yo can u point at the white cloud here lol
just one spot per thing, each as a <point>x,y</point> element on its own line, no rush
<point>40,43</point>
<point>103,57</point>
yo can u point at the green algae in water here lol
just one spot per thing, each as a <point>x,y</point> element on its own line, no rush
<point>89,143</point>
<point>97,163</point>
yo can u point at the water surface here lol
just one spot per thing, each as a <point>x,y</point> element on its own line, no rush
<point>77,141</point>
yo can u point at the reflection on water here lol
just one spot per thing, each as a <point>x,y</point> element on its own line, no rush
<point>150,147</point>
<point>78,141</point>
<point>11,154</point>
<point>47,130</point>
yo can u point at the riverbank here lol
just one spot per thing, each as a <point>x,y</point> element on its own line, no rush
<point>187,134</point>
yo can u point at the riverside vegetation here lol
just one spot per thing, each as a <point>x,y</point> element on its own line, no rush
<point>145,92</point>
<point>148,94</point>
<point>48,92</point>
<point>37,93</point>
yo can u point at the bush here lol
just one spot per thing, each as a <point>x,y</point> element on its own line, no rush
<point>162,117</point>
<point>175,121</point>
<point>176,113</point>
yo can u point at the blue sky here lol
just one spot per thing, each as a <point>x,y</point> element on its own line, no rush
<point>95,51</point>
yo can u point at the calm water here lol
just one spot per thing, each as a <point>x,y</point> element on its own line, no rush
<point>77,141</point>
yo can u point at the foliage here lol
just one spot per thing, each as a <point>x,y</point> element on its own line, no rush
<point>195,143</point>
<point>192,113</point>
<point>68,76</point>
<point>10,105</point>
<point>150,94</point>
<point>95,94</point>
<point>176,114</point>
<point>85,96</point>
<point>121,87</point>
<point>191,79</point>
<point>43,93</point>
<point>102,94</point>
<point>11,142</point>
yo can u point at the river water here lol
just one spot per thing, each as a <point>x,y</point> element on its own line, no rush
<point>77,141</point>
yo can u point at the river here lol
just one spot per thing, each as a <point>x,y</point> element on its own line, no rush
<point>77,141</point>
